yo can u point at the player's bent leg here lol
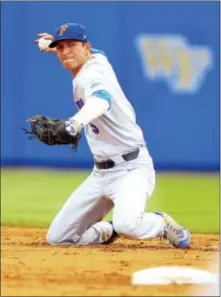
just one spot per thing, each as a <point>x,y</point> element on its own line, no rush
<point>99,232</point>
<point>146,226</point>
<point>93,233</point>
<point>129,218</point>
<point>76,222</point>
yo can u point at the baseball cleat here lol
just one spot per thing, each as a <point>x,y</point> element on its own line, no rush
<point>177,235</point>
<point>114,236</point>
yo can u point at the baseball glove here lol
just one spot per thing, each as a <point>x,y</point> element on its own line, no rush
<point>51,131</point>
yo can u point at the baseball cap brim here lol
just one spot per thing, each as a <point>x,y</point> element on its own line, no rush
<point>55,42</point>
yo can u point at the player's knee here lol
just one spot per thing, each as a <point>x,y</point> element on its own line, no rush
<point>57,236</point>
<point>126,228</point>
<point>53,238</point>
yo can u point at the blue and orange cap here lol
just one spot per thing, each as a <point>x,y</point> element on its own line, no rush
<point>69,31</point>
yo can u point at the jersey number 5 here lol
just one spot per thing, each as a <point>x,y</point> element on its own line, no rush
<point>80,104</point>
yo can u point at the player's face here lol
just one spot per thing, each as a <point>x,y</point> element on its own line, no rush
<point>73,53</point>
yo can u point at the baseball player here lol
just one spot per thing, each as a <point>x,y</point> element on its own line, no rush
<point>123,176</point>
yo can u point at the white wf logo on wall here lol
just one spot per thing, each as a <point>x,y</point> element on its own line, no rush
<point>171,58</point>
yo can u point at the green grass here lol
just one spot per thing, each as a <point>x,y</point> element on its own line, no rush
<point>33,197</point>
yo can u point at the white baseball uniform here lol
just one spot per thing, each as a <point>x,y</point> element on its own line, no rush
<point>126,186</point>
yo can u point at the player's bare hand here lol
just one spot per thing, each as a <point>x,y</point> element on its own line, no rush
<point>48,37</point>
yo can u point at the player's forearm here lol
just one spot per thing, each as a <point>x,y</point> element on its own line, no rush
<point>93,108</point>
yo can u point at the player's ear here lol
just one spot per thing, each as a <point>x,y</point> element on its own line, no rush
<point>88,47</point>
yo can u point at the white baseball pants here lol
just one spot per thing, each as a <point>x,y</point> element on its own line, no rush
<point>124,189</point>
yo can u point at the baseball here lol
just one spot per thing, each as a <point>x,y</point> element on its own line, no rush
<point>43,43</point>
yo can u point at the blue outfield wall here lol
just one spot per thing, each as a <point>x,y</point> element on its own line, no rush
<point>166,56</point>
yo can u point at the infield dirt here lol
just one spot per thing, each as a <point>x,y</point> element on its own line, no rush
<point>30,267</point>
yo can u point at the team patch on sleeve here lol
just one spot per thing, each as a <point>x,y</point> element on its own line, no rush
<point>103,94</point>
